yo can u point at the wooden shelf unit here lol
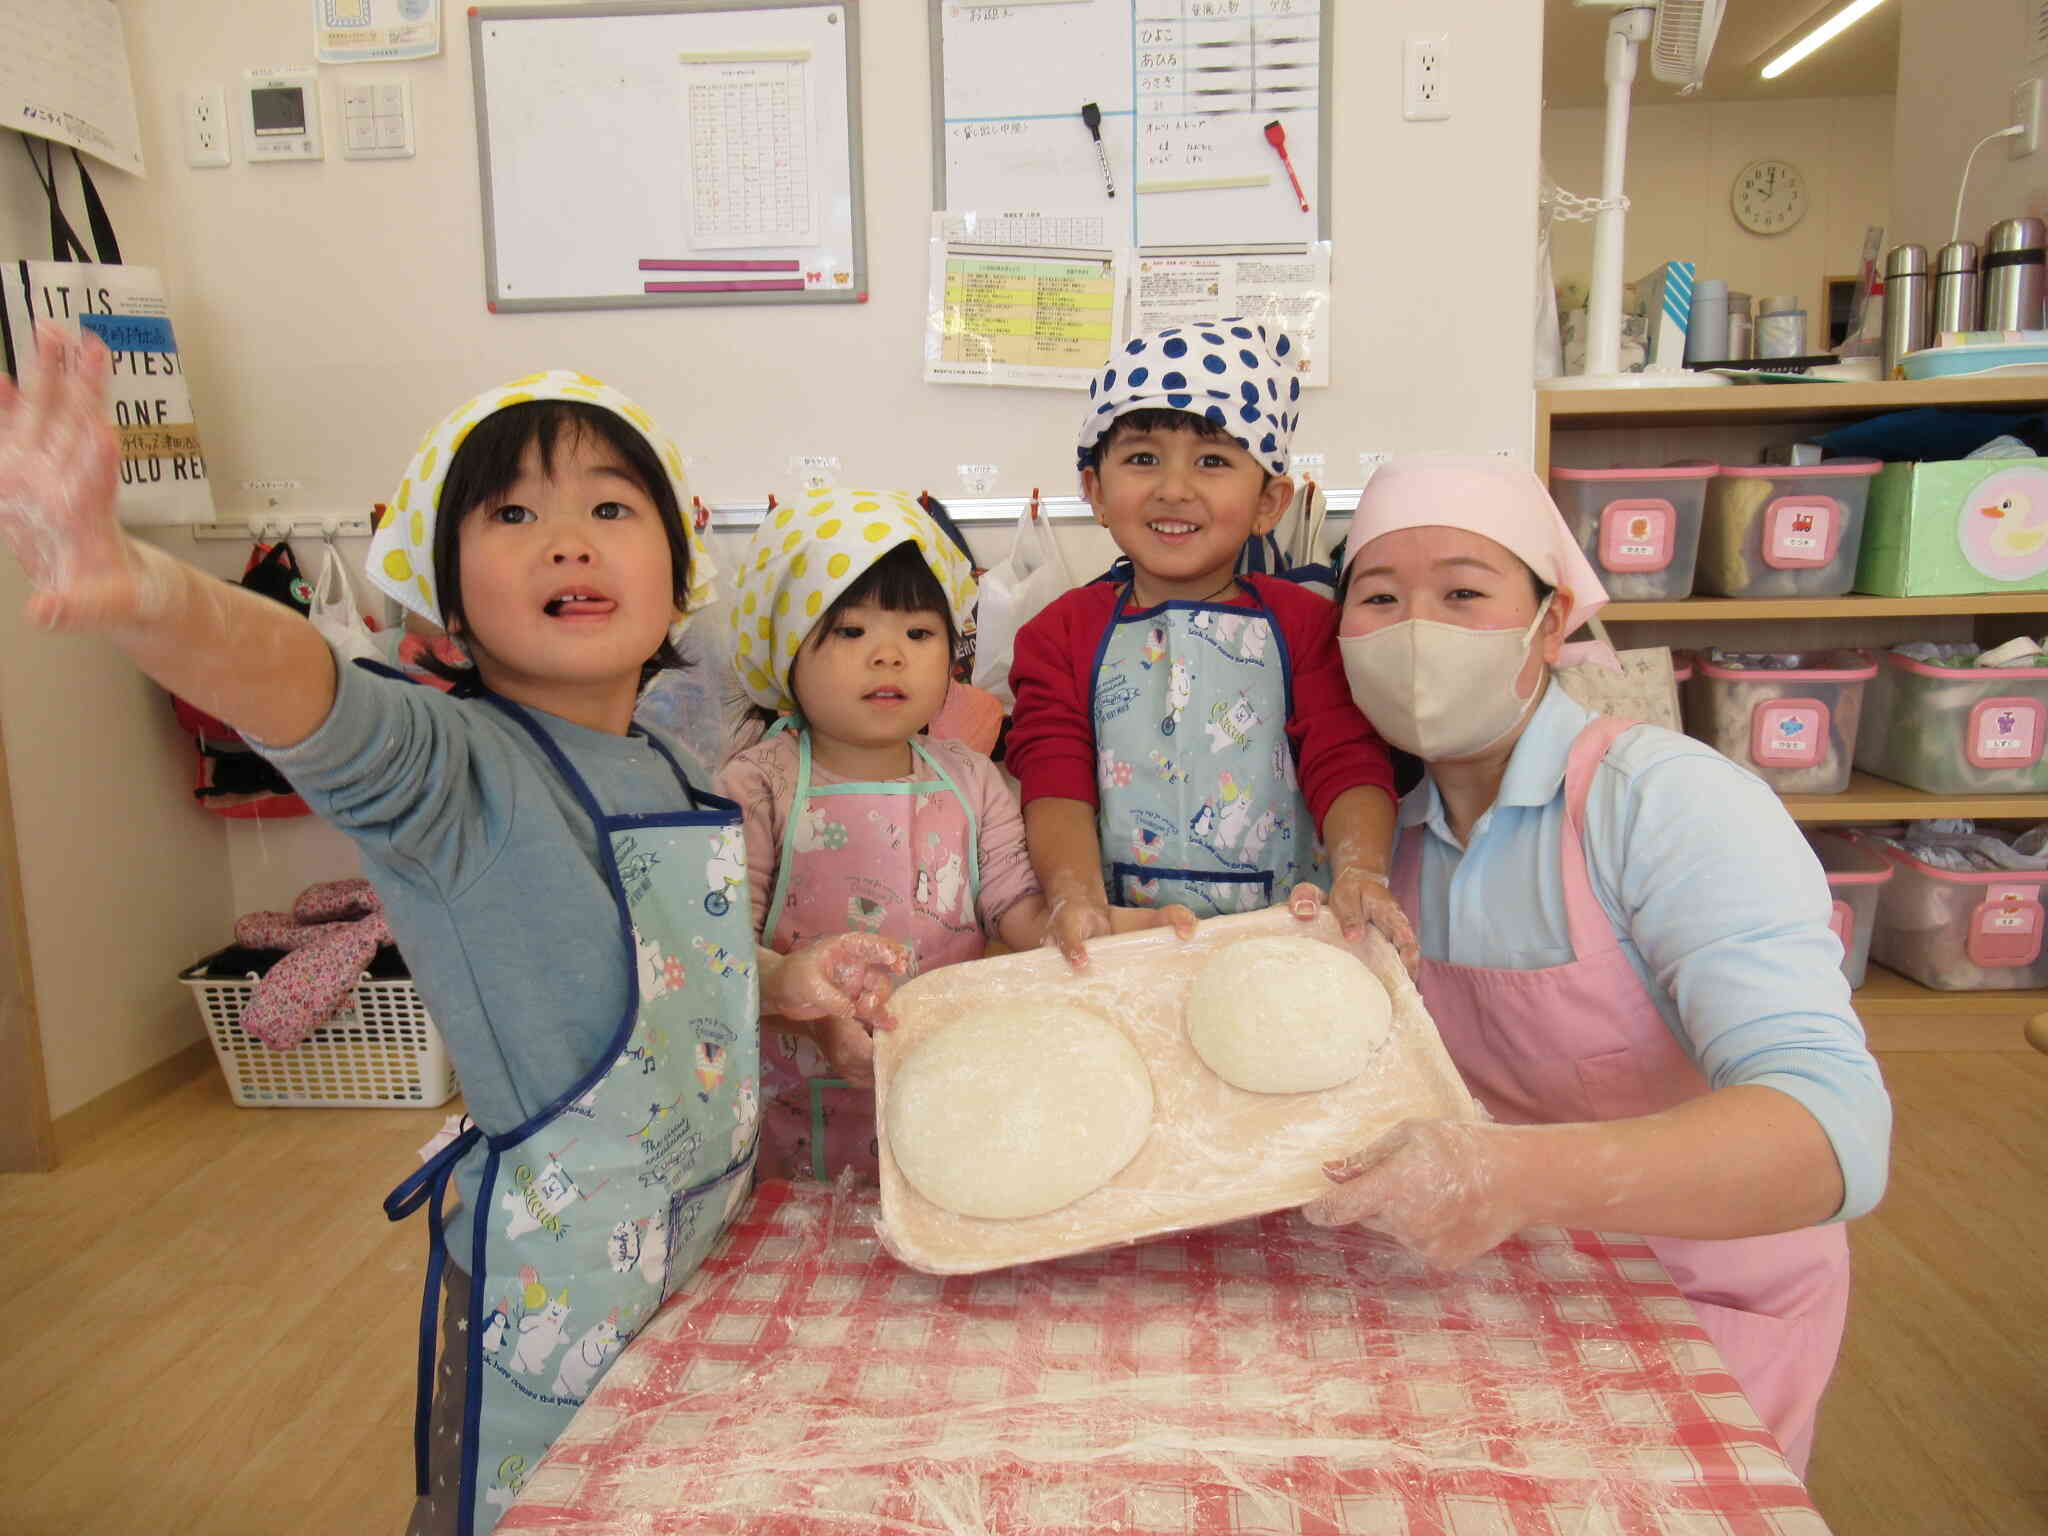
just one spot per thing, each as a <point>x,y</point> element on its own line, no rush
<point>1651,426</point>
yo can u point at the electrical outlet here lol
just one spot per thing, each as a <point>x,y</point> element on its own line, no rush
<point>1426,86</point>
<point>2026,111</point>
<point>206,132</point>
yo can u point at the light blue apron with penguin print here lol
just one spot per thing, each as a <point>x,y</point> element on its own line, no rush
<point>1198,798</point>
<point>592,1213</point>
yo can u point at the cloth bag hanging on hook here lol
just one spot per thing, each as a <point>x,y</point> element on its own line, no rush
<point>1013,590</point>
<point>163,468</point>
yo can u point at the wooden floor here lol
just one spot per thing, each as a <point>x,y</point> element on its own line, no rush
<point>209,1325</point>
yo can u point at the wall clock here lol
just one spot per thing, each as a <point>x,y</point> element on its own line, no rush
<point>1769,196</point>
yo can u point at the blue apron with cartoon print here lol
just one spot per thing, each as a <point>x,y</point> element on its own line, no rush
<point>1199,800</point>
<point>592,1213</point>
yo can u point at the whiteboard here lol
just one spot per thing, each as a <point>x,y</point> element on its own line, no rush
<point>655,152</point>
<point>1186,90</point>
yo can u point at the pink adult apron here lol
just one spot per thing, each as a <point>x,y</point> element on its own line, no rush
<point>898,857</point>
<point>1584,1041</point>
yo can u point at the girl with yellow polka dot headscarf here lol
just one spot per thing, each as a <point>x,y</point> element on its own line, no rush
<point>476,453</point>
<point>844,612</point>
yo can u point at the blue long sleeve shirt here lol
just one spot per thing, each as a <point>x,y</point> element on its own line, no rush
<point>1720,906</point>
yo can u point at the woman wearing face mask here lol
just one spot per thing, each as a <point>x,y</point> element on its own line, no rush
<point>1625,947</point>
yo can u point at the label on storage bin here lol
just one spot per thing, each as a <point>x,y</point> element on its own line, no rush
<point>1842,923</point>
<point>1637,535</point>
<point>2005,932</point>
<point>1801,532</point>
<point>1789,733</point>
<point>2004,733</point>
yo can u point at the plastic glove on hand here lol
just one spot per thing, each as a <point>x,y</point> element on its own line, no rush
<point>1360,902</point>
<point>848,976</point>
<point>1440,1187</point>
<point>59,463</point>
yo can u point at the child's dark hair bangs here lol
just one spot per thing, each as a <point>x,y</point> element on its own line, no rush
<point>487,466</point>
<point>1152,419</point>
<point>899,582</point>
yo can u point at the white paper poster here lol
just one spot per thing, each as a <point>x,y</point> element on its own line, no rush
<point>373,31</point>
<point>1287,289</point>
<point>64,76</point>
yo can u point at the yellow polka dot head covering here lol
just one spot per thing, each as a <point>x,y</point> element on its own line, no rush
<point>401,559</point>
<point>810,552</point>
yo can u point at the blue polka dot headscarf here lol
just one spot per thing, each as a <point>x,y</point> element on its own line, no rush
<point>1237,373</point>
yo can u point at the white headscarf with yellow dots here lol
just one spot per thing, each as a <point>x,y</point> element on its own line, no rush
<point>805,555</point>
<point>401,559</point>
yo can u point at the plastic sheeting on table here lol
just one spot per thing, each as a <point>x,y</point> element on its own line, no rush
<point>1262,1377</point>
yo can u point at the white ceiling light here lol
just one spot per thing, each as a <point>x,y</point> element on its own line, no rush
<point>1836,24</point>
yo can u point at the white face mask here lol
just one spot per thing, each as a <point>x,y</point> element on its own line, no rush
<point>1440,690</point>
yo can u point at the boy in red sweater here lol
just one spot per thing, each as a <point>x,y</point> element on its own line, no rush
<point>1182,733</point>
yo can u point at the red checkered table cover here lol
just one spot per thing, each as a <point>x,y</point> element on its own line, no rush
<point>1263,1377</point>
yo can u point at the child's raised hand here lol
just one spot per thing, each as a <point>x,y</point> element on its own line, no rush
<point>1359,901</point>
<point>846,978</point>
<point>59,462</point>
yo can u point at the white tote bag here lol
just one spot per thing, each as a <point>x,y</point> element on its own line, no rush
<point>338,616</point>
<point>1012,593</point>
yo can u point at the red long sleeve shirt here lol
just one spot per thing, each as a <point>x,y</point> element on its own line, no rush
<point>1051,747</point>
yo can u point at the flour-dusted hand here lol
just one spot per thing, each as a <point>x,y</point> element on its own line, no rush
<point>1072,922</point>
<point>848,975</point>
<point>1449,1190</point>
<point>1359,901</point>
<point>59,465</point>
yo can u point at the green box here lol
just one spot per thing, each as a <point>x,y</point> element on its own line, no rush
<point>1954,526</point>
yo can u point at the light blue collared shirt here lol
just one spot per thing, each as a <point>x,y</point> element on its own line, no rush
<point>1719,903</point>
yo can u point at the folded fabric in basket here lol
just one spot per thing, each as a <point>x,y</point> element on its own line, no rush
<point>331,932</point>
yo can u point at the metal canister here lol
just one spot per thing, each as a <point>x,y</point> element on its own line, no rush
<point>1905,305</point>
<point>2014,252</point>
<point>1956,303</point>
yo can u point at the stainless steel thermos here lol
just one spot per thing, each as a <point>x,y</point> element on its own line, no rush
<point>1905,304</point>
<point>2014,252</point>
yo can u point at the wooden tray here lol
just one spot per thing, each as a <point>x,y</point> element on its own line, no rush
<point>1215,1153</point>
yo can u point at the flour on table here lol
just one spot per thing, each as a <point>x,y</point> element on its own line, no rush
<point>1286,1015</point>
<point>1018,1110</point>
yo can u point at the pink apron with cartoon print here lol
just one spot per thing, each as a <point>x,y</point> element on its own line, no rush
<point>1584,1041</point>
<point>901,858</point>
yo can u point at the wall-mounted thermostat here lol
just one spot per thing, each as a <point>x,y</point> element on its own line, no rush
<point>281,114</point>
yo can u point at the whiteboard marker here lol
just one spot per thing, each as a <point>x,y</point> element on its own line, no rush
<point>1091,114</point>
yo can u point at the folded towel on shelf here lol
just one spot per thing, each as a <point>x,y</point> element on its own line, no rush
<point>331,933</point>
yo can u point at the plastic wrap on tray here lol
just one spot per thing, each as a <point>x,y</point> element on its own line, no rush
<point>1215,1153</point>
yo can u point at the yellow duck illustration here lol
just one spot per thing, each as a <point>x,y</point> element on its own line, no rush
<point>2014,538</point>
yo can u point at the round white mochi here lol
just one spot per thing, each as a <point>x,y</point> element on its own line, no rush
<point>1018,1110</point>
<point>1286,1015</point>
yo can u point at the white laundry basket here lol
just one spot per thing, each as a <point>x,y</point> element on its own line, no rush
<point>380,1051</point>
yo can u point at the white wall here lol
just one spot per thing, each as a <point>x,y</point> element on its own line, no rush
<point>329,313</point>
<point>1958,63</point>
<point>124,879</point>
<point>1683,158</point>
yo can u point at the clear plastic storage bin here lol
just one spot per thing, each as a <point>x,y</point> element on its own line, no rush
<point>1780,530</point>
<point>1856,875</point>
<point>1956,730</point>
<point>1639,527</point>
<point>1796,727</point>
<point>1960,932</point>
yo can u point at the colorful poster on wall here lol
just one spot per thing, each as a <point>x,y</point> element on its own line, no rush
<point>375,31</point>
<point>1021,315</point>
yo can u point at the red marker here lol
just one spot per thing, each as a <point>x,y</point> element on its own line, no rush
<point>1277,137</point>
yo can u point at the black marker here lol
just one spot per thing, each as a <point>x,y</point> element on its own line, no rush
<point>1091,114</point>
